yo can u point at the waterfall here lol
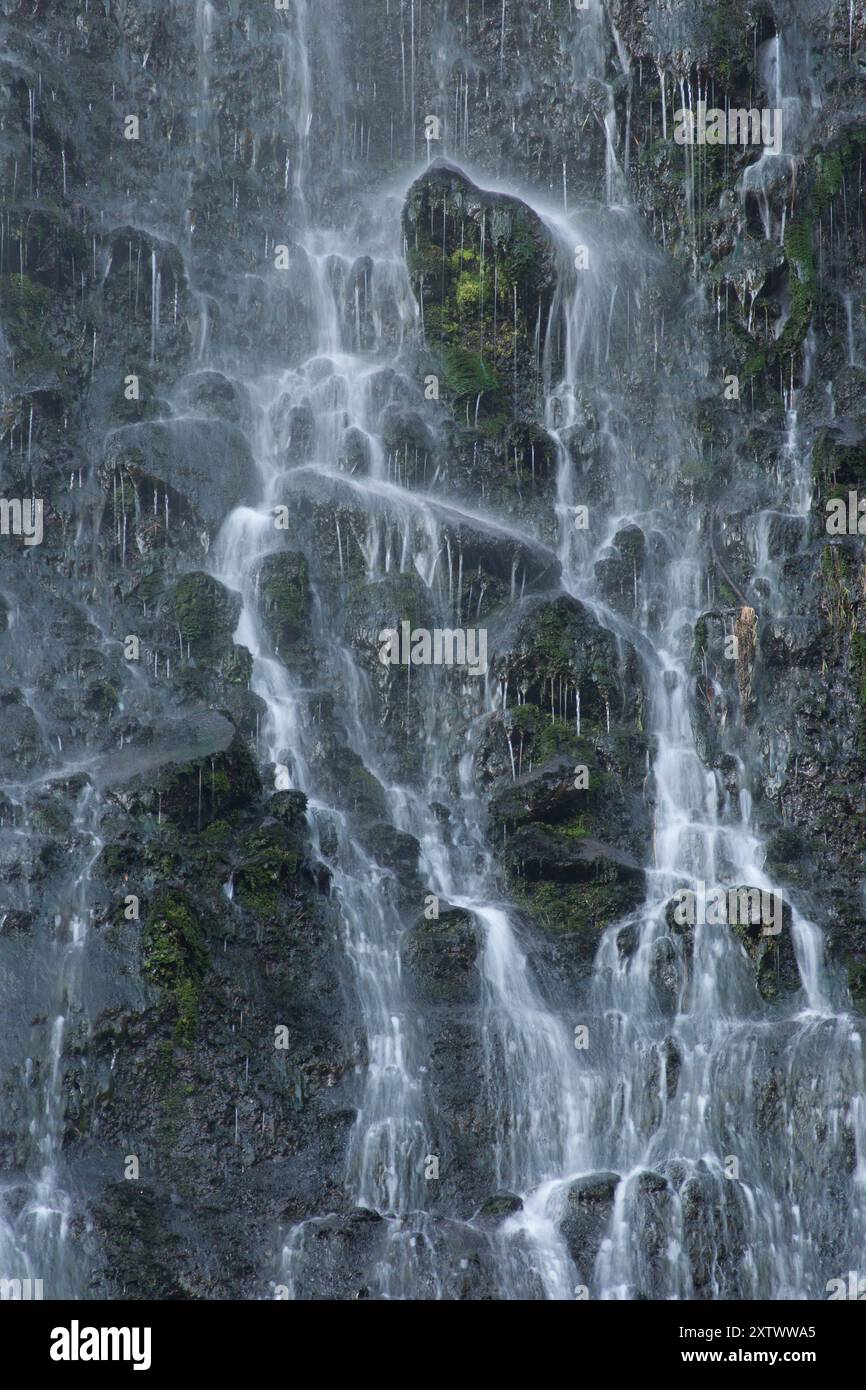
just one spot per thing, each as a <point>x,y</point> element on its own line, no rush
<point>563,1115</point>
<point>652,1121</point>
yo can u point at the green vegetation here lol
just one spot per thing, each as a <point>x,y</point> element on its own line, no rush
<point>576,907</point>
<point>271,864</point>
<point>831,166</point>
<point>207,789</point>
<point>467,374</point>
<point>858,671</point>
<point>802,284</point>
<point>175,958</point>
<point>24,309</point>
<point>205,612</point>
<point>285,596</point>
<point>839,599</point>
<point>542,736</point>
<point>478,263</point>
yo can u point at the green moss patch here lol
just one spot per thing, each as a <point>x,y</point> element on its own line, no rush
<point>175,958</point>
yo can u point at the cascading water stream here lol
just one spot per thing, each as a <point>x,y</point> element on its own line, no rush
<point>36,1213</point>
<point>716,1037</point>
<point>385,1162</point>
<point>525,1041</point>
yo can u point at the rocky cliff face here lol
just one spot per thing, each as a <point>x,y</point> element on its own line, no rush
<point>318,319</point>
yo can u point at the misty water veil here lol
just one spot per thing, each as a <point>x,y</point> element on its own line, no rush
<point>328,975</point>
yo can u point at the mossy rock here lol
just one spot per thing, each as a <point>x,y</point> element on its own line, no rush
<point>51,816</point>
<point>146,405</point>
<point>285,598</point>
<point>25,311</point>
<point>549,650</point>
<point>363,793</point>
<point>572,886</point>
<point>175,957</point>
<point>834,166</point>
<point>566,853</point>
<point>212,393</point>
<point>439,958</point>
<point>271,864</point>
<point>395,849</point>
<point>857,664</point>
<point>498,1208</point>
<point>335,532</point>
<point>354,788</point>
<point>802,284</point>
<point>22,735</point>
<point>399,693</point>
<point>772,957</point>
<point>619,569</point>
<point>386,603</point>
<point>546,794</point>
<point>118,860</point>
<point>857,985</point>
<point>194,794</point>
<point>101,698</point>
<point>206,614</point>
<point>290,809</point>
<point>126,296</point>
<point>483,265</point>
<point>838,461</point>
<point>790,856</point>
<point>583,910</point>
<point>536,739</point>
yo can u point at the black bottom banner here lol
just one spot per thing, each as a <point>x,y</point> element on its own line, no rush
<point>84,1338</point>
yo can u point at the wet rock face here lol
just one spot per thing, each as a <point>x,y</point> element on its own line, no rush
<point>565,764</point>
<point>485,270</point>
<point>439,956</point>
<point>777,307</point>
<point>205,612</point>
<point>286,601</point>
<point>584,1223</point>
<point>220,1039</point>
<point>170,453</point>
<point>761,922</point>
<point>554,654</point>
